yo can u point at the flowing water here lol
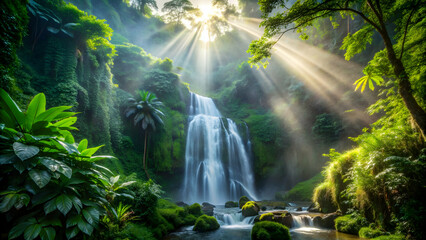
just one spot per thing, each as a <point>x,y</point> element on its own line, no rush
<point>234,226</point>
<point>217,160</point>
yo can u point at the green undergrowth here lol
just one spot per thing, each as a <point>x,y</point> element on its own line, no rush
<point>303,191</point>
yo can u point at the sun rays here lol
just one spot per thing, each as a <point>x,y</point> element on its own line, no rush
<point>325,75</point>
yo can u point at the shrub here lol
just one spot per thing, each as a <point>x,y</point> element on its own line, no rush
<point>269,231</point>
<point>350,223</point>
<point>390,237</point>
<point>194,209</point>
<point>206,223</point>
<point>369,232</point>
<point>323,196</point>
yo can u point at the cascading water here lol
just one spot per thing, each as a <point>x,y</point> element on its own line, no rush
<point>217,164</point>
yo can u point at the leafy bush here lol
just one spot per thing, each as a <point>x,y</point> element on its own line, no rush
<point>390,237</point>
<point>267,230</point>
<point>350,223</point>
<point>205,223</point>
<point>323,196</point>
<point>369,232</point>
<point>146,198</point>
<point>47,178</point>
<point>194,209</point>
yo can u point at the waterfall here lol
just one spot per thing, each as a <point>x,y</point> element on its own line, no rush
<point>302,221</point>
<point>217,163</point>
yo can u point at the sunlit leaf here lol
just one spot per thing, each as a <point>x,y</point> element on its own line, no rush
<point>82,145</point>
<point>35,108</point>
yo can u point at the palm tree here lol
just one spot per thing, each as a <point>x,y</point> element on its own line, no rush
<point>146,114</point>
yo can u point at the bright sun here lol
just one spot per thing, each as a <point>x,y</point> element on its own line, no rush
<point>207,12</point>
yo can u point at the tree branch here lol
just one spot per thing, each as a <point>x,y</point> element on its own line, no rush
<point>406,29</point>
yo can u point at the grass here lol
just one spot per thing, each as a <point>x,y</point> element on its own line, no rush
<point>303,191</point>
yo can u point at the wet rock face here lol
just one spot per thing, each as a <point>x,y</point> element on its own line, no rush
<point>208,208</point>
<point>326,221</point>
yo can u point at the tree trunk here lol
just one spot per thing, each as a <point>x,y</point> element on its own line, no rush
<point>404,86</point>
<point>144,156</point>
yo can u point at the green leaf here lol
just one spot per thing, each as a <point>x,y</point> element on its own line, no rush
<point>65,122</point>
<point>72,232</point>
<point>51,113</point>
<point>24,151</point>
<point>48,233</point>
<point>90,151</point>
<point>19,229</point>
<point>23,200</point>
<point>32,231</point>
<point>10,106</point>
<point>40,177</point>
<point>82,145</point>
<point>73,220</point>
<point>64,204</point>
<point>44,195</point>
<point>19,165</point>
<point>88,216</point>
<point>50,206</point>
<point>85,227</point>
<point>35,108</point>
<point>55,165</point>
<point>7,158</point>
<point>8,201</point>
<point>70,148</point>
<point>76,202</point>
<point>101,157</point>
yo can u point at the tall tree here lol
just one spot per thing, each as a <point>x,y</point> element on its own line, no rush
<point>378,16</point>
<point>140,5</point>
<point>176,10</point>
<point>146,114</point>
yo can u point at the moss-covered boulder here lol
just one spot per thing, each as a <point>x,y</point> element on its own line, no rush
<point>231,204</point>
<point>243,201</point>
<point>250,209</point>
<point>283,217</point>
<point>206,223</point>
<point>194,209</point>
<point>350,223</point>
<point>269,230</point>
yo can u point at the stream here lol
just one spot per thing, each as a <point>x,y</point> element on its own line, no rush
<point>234,226</point>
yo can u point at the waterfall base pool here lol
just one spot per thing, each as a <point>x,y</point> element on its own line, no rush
<point>234,226</point>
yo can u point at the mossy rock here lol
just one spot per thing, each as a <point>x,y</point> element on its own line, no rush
<point>250,209</point>
<point>231,204</point>
<point>206,223</point>
<point>194,209</point>
<point>350,223</point>
<point>269,231</point>
<point>243,201</point>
